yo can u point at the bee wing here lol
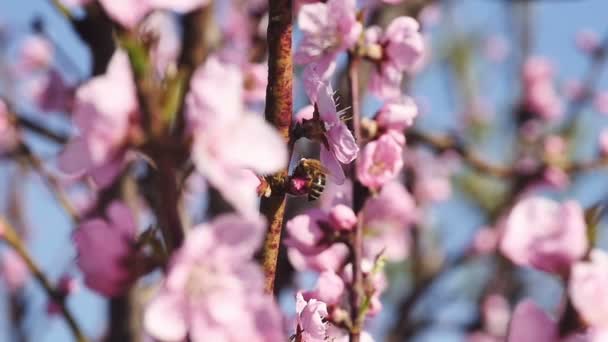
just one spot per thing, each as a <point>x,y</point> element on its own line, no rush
<point>332,166</point>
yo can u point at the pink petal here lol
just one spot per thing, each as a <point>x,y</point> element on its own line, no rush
<point>333,166</point>
<point>342,143</point>
<point>164,318</point>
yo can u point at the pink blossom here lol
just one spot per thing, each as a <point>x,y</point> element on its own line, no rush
<point>485,241</point>
<point>163,30</point>
<point>329,289</point>
<point>337,142</point>
<point>51,92</point>
<point>105,248</point>
<point>496,48</point>
<point>13,270</point>
<point>587,288</point>
<point>36,53</point>
<point>587,41</point>
<point>600,102</point>
<point>531,324</point>
<point>310,316</point>
<point>8,134</point>
<point>305,232</point>
<point>328,29</point>
<point>227,140</point>
<point>213,290</point>
<point>99,149</point>
<point>496,314</point>
<point>555,146</point>
<point>539,92</point>
<point>342,217</point>
<point>603,142</point>
<point>130,12</point>
<point>432,176</point>
<point>545,234</point>
<point>397,114</point>
<point>402,47</point>
<point>331,258</point>
<point>381,161</point>
<point>387,219</point>
<point>256,79</point>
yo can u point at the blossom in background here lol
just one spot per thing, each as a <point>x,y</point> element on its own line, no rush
<point>530,323</point>
<point>587,288</point>
<point>51,92</point>
<point>380,161</point>
<point>100,146</point>
<point>387,221</point>
<point>329,289</point>
<point>106,250</point>
<point>399,49</point>
<point>130,12</point>
<point>587,41</point>
<point>397,114</point>
<point>545,234</point>
<point>214,291</point>
<point>229,143</point>
<point>13,270</point>
<point>323,123</point>
<point>36,53</point>
<point>540,96</point>
<point>327,30</point>
<point>162,29</point>
<point>8,133</point>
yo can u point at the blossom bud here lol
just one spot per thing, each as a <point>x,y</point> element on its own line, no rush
<point>342,217</point>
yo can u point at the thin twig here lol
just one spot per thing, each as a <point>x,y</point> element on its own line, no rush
<point>11,237</point>
<point>51,181</point>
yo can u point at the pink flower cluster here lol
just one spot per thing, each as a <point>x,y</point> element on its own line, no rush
<point>539,92</point>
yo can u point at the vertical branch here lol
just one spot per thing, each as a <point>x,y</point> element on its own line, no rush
<point>279,108</point>
<point>359,195</point>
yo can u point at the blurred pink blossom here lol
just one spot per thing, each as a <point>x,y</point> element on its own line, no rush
<point>402,47</point>
<point>228,140</point>
<point>213,286</point>
<point>397,114</point>
<point>485,241</point>
<point>105,248</point>
<point>51,92</point>
<point>496,314</point>
<point>163,30</point>
<point>99,149</point>
<point>387,220</point>
<point>380,162</point>
<point>496,48</point>
<point>130,12</point>
<point>603,142</point>
<point>36,53</point>
<point>545,234</point>
<point>342,217</point>
<point>327,30</point>
<point>8,134</point>
<point>588,286</point>
<point>600,102</point>
<point>587,41</point>
<point>13,270</point>
<point>539,91</point>
<point>331,258</point>
<point>531,324</point>
<point>256,79</point>
<point>329,289</point>
<point>305,232</point>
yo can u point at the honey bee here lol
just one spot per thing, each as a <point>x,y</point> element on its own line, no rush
<point>314,174</point>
